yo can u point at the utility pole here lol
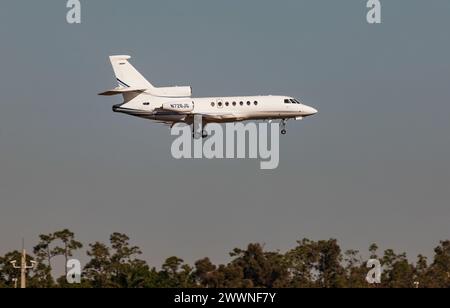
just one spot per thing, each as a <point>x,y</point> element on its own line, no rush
<point>23,267</point>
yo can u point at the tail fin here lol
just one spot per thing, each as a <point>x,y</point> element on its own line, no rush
<point>132,83</point>
<point>127,76</point>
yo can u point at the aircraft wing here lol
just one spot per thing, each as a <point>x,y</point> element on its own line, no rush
<point>205,116</point>
<point>216,116</point>
<point>189,118</point>
<point>168,123</point>
<point>221,117</point>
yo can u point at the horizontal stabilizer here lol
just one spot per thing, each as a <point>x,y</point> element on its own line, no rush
<point>121,90</point>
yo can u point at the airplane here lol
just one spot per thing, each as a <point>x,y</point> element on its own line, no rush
<point>172,105</point>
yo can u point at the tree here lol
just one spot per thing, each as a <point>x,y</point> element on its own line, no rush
<point>317,264</point>
<point>42,276</point>
<point>205,274</point>
<point>329,265</point>
<point>126,269</point>
<point>176,274</point>
<point>98,270</point>
<point>123,253</point>
<point>302,260</point>
<point>421,272</point>
<point>261,269</point>
<point>232,276</point>
<point>45,253</point>
<point>67,237</point>
<point>440,268</point>
<point>43,250</point>
<point>373,249</point>
<point>116,266</point>
<point>398,273</point>
<point>355,270</point>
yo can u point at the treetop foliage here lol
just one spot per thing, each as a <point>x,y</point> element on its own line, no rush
<point>311,264</point>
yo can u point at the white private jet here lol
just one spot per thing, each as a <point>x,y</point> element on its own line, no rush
<point>172,105</point>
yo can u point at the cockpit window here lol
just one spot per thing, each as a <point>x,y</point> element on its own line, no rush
<point>286,101</point>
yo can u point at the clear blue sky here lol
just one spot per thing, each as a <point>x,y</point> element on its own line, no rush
<point>372,166</point>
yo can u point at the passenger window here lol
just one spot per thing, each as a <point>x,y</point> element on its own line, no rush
<point>213,104</point>
<point>219,104</point>
<point>146,104</point>
<point>234,103</point>
<point>248,103</point>
<point>227,104</point>
<point>241,103</point>
<point>256,103</point>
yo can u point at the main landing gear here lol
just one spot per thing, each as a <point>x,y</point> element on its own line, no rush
<point>198,135</point>
<point>283,127</point>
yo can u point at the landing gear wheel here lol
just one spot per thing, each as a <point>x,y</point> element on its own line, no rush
<point>283,127</point>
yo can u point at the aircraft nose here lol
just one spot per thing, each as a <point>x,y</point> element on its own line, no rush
<point>311,110</point>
